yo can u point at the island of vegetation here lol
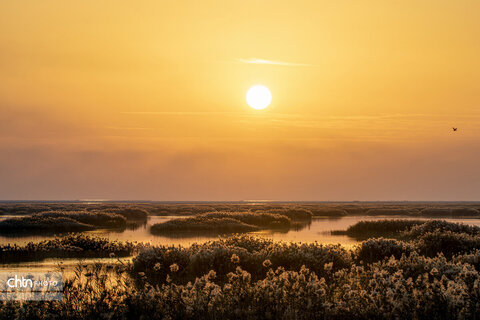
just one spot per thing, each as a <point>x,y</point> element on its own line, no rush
<point>234,222</point>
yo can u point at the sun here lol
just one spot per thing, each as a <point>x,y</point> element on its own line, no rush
<point>259,97</point>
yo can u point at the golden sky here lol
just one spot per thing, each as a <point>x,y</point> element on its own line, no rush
<point>146,100</point>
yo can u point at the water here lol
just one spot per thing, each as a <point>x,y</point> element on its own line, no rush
<point>318,230</point>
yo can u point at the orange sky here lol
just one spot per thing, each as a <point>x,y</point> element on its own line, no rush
<point>146,100</point>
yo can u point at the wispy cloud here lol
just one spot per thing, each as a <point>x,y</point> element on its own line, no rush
<point>181,113</point>
<point>272,62</point>
<point>244,114</point>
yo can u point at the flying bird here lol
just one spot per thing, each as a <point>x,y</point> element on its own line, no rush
<point>454,129</point>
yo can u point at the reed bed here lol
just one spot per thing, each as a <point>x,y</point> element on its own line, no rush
<point>62,222</point>
<point>245,277</point>
<point>233,222</point>
<point>69,246</point>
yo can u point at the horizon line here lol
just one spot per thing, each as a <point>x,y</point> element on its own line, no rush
<point>237,201</point>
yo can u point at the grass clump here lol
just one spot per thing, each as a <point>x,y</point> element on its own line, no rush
<point>69,246</point>
<point>295,214</point>
<point>448,243</point>
<point>373,250</point>
<point>95,218</point>
<point>428,238</point>
<point>259,219</point>
<point>231,222</point>
<point>247,252</point>
<point>39,225</point>
<point>472,258</point>
<point>450,212</point>
<point>201,225</point>
<point>440,225</point>
<point>134,214</point>
<point>366,229</point>
<point>61,222</point>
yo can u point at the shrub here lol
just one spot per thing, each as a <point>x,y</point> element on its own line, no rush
<point>447,212</point>
<point>295,214</point>
<point>223,222</point>
<point>132,213</point>
<point>259,219</point>
<point>248,242</point>
<point>412,287</point>
<point>440,225</point>
<point>472,258</point>
<point>447,242</point>
<point>293,256</point>
<point>78,246</point>
<point>251,252</point>
<point>95,218</point>
<point>201,225</point>
<point>379,227</point>
<point>37,224</point>
<point>374,250</point>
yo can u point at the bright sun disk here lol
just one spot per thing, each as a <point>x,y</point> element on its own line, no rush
<point>259,97</point>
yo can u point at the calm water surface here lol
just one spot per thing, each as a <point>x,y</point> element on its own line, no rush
<point>318,230</point>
